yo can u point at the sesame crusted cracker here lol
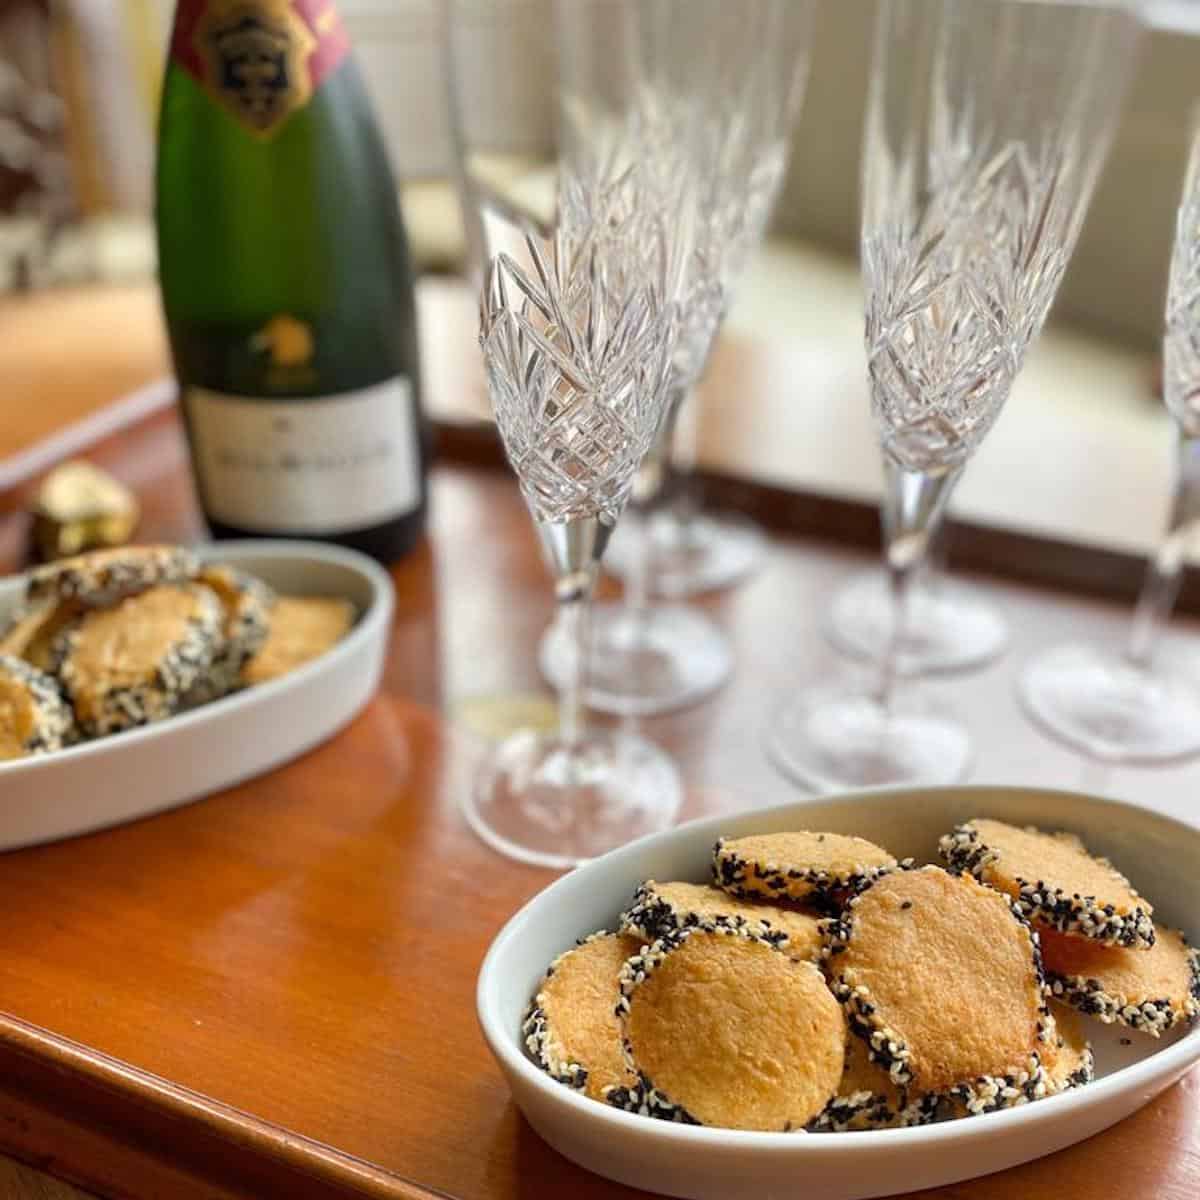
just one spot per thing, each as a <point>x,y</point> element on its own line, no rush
<point>1053,880</point>
<point>1068,1059</point>
<point>1011,1089</point>
<point>660,908</point>
<point>571,1030</point>
<point>103,577</point>
<point>941,977</point>
<point>31,630</point>
<point>868,1098</point>
<point>1148,990</point>
<point>247,602</point>
<point>301,628</point>
<point>797,866</point>
<point>34,718</point>
<point>132,664</point>
<point>723,1029</point>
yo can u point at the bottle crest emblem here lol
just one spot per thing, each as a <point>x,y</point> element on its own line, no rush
<point>255,55</point>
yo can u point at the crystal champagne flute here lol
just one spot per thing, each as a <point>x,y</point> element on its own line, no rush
<point>987,124</point>
<point>1132,706</point>
<point>583,247</point>
<point>752,61</point>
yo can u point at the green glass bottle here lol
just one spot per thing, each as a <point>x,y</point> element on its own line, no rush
<point>286,281</point>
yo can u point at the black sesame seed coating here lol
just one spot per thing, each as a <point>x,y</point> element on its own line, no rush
<point>645,1100</point>
<point>1153,1016</point>
<point>540,1044</point>
<point>867,1110</point>
<point>247,602</point>
<point>53,720</point>
<point>885,1046</point>
<point>535,1031</point>
<point>650,917</point>
<point>964,851</point>
<point>100,579</point>
<point>1083,1074</point>
<point>731,872</point>
<point>1193,1005</point>
<point>990,1093</point>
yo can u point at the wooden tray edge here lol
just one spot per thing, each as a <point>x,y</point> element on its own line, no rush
<point>100,1123</point>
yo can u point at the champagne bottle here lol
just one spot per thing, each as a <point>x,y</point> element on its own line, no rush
<point>286,282</point>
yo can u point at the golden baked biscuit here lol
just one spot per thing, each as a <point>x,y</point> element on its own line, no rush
<point>301,628</point>
<point>1148,990</point>
<point>869,1098</point>
<point>247,602</point>
<point>660,908</point>
<point>1053,880</point>
<point>571,1029</point>
<point>34,718</point>
<point>725,1030</point>
<point>102,577</point>
<point>31,631</point>
<point>942,979</point>
<point>132,663</point>
<point>797,866</point>
<point>1067,1057</point>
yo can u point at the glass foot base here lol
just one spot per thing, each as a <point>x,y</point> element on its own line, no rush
<point>653,661</point>
<point>703,554</point>
<point>844,739</point>
<point>948,628</point>
<point>1102,705</point>
<point>541,802</point>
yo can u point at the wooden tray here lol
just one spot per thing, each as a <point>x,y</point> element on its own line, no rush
<point>269,993</point>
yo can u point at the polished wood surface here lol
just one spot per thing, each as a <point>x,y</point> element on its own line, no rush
<point>19,1182</point>
<point>67,352</point>
<point>270,992</point>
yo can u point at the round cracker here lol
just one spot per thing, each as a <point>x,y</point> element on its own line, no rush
<point>868,1098</point>
<point>797,866</point>
<point>571,1029</point>
<point>301,629</point>
<point>660,908</point>
<point>725,1030</point>
<point>32,629</point>
<point>1148,990</point>
<point>942,978</point>
<point>1053,880</point>
<point>34,717</point>
<point>103,577</point>
<point>247,602</point>
<point>1068,1056</point>
<point>132,663</point>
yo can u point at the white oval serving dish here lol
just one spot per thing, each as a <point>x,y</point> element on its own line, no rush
<point>159,766</point>
<point>1159,854</point>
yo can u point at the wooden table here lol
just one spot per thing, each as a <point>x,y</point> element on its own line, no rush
<point>270,992</point>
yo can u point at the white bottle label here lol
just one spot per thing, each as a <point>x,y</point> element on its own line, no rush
<point>323,465</point>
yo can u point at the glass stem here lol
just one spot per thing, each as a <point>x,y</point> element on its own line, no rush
<point>684,436</point>
<point>574,596</point>
<point>1165,569</point>
<point>641,569</point>
<point>647,494</point>
<point>573,550</point>
<point>913,505</point>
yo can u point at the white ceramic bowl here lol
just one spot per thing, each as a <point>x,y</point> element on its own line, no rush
<point>1159,854</point>
<point>159,766</point>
